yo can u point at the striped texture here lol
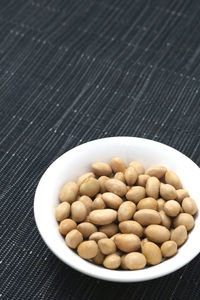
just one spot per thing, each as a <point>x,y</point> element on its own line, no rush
<point>73,71</point>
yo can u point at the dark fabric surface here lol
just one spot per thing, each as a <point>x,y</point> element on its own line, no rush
<point>74,71</point>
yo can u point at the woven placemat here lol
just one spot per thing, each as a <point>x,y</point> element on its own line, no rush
<point>74,71</point>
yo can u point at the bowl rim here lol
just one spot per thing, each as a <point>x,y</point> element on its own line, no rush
<point>108,275</point>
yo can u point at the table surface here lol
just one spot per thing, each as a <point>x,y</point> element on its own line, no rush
<point>74,71</point>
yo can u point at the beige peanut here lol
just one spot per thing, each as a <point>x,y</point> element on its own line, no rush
<point>103,216</point>
<point>116,186</point>
<point>173,179</point>
<point>87,201</point>
<point>87,249</point>
<point>135,194</point>
<point>127,242</point>
<point>147,217</point>
<point>126,211</point>
<point>168,248</point>
<point>62,211</point>
<point>96,236</point>
<point>156,171</point>
<point>66,226</point>
<point>112,200</point>
<point>167,192</point>
<point>68,192</point>
<point>157,233</point>
<point>135,261</point>
<point>112,261</point>
<point>86,229</point>
<point>189,206</point>
<point>130,176</point>
<point>181,194</point>
<point>179,235</point>
<point>102,180</point>
<point>73,238</point>
<point>109,230</point>
<point>152,253</point>
<point>172,208</point>
<point>85,176</point>
<point>118,165</point>
<point>79,211</point>
<point>101,169</point>
<point>131,227</point>
<point>107,246</point>
<point>120,176</point>
<point>142,180</point>
<point>153,187</point>
<point>90,187</point>
<point>148,202</point>
<point>184,219</point>
<point>137,166</point>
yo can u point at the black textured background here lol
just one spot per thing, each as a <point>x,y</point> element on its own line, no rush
<point>73,71</point>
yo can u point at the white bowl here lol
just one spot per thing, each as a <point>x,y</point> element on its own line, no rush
<point>77,161</point>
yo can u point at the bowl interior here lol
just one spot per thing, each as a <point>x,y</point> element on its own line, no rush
<point>76,162</point>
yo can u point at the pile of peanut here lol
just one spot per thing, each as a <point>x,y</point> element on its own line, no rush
<point>119,216</point>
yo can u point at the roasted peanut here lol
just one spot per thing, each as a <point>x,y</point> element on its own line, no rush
<point>152,253</point>
<point>173,179</point>
<point>66,226</point>
<point>102,180</point>
<point>131,227</point>
<point>153,187</point>
<point>147,217</point>
<point>98,203</point>
<point>86,229</point>
<point>120,176</point>
<point>87,201</point>
<point>165,220</point>
<point>107,246</point>
<point>137,166</point>
<point>62,211</point>
<point>148,202</point>
<point>181,194</point>
<point>112,261</point>
<point>167,192</point>
<point>184,219</point>
<point>85,176</point>
<point>135,261</point>
<point>112,200</point>
<point>127,242</point>
<point>87,249</point>
<point>73,238</point>
<point>116,186</point>
<point>179,235</point>
<point>189,206</point>
<point>90,187</point>
<point>157,233</point>
<point>109,229</point>
<point>168,248</point>
<point>135,194</point>
<point>130,176</point>
<point>103,216</point>
<point>118,165</point>
<point>96,236</point>
<point>126,211</point>
<point>79,211</point>
<point>99,258</point>
<point>156,171</point>
<point>172,208</point>
<point>161,203</point>
<point>68,192</point>
<point>142,180</point>
<point>101,169</point>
